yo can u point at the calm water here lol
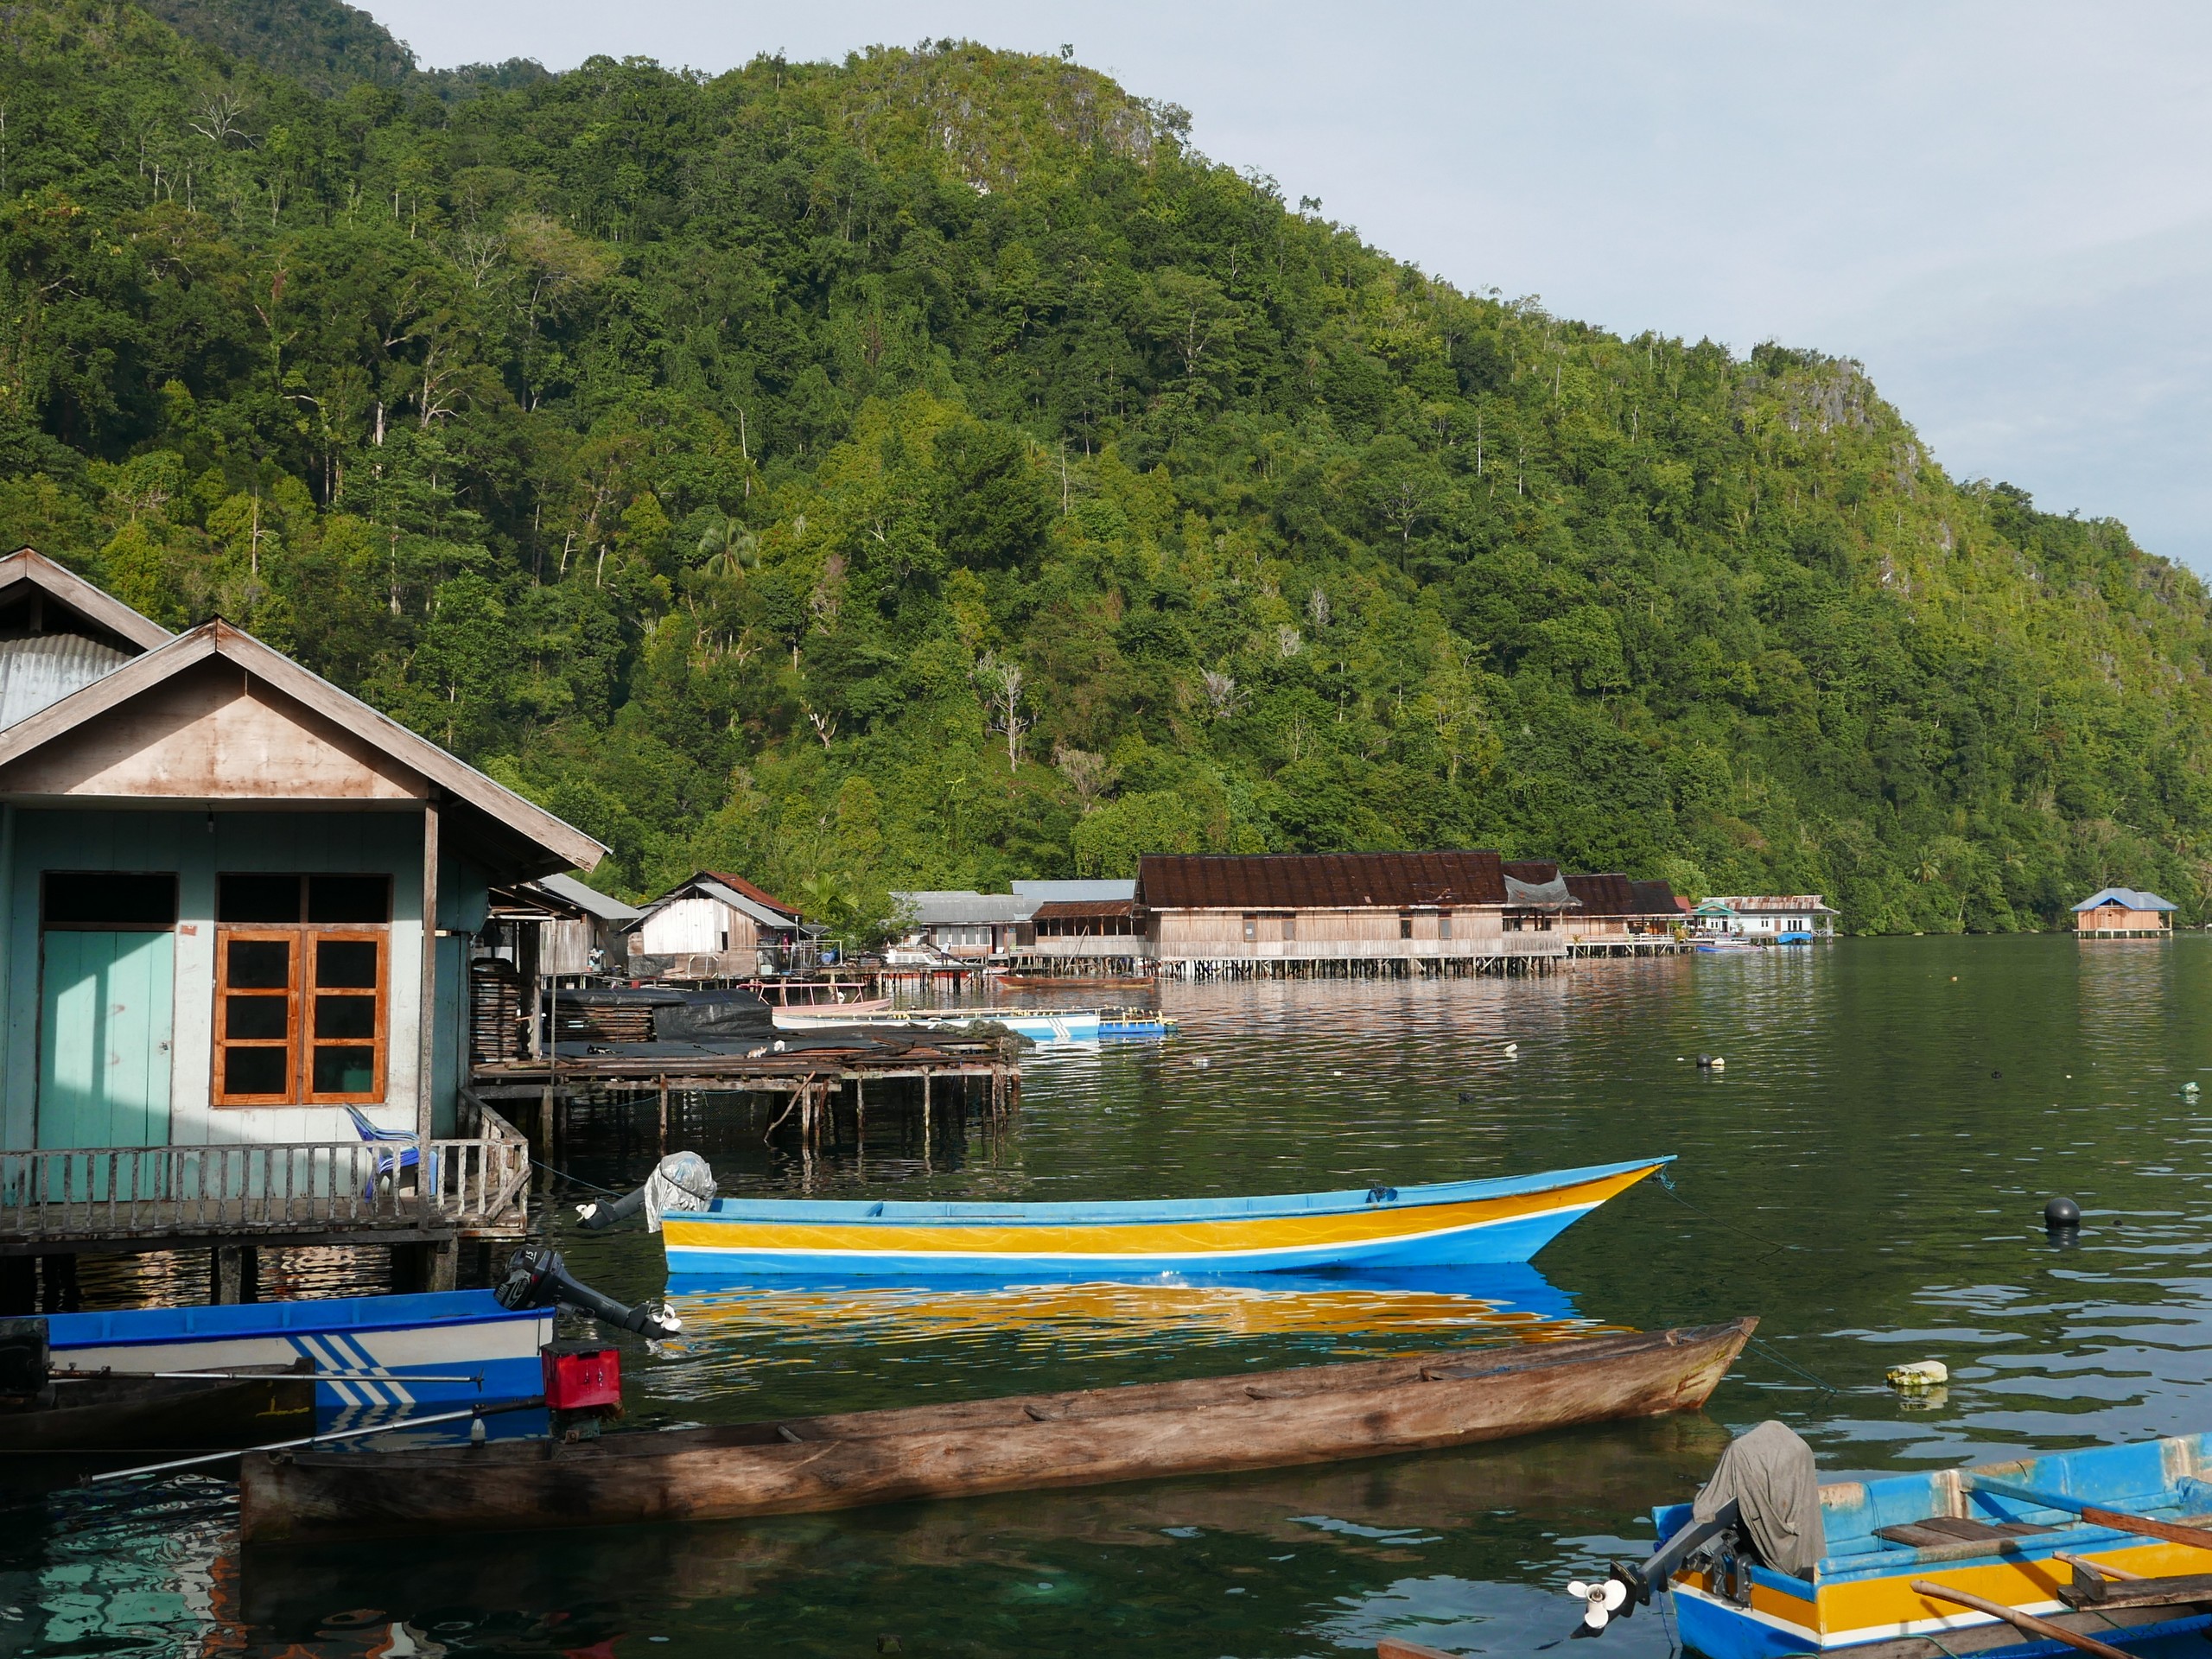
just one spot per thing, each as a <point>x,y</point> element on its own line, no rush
<point>1867,1175</point>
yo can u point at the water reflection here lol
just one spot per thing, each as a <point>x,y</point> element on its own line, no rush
<point>1867,1175</point>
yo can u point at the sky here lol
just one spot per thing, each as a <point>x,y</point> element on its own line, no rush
<point>2003,211</point>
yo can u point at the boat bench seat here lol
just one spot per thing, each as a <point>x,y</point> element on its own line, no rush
<point>1951,1529</point>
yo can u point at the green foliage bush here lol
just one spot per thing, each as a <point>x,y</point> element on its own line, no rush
<point>926,470</point>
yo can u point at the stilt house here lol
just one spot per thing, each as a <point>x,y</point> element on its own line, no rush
<point>236,906</point>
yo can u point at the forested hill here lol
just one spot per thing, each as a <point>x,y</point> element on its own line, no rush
<point>926,470</point>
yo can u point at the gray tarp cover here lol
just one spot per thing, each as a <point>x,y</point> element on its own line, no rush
<point>1769,1472</point>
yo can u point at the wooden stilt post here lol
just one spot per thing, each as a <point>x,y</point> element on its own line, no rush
<point>926,1104</point>
<point>663,1115</point>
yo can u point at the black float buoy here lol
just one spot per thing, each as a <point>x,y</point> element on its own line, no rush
<point>2062,1215</point>
<point>1704,1062</point>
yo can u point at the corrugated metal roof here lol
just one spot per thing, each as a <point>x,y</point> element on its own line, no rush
<point>759,895</point>
<point>958,907</point>
<point>1772,904</point>
<point>1604,894</point>
<point>1075,892</point>
<point>1319,881</point>
<point>1073,910</point>
<point>1611,893</point>
<point>588,899</point>
<point>2126,899</point>
<point>38,669</point>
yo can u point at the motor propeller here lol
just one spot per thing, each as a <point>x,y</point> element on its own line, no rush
<point>1603,1599</point>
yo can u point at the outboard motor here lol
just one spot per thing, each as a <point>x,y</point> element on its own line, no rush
<point>536,1278</point>
<point>681,1182</point>
<point>1765,1488</point>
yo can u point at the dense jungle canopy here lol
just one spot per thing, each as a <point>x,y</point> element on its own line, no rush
<point>927,469</point>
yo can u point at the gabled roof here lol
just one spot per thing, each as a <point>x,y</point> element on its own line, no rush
<point>727,890</point>
<point>758,895</point>
<point>1775,904</point>
<point>2125,899</point>
<point>524,837</point>
<point>27,574</point>
<point>1611,893</point>
<point>962,907</point>
<point>1319,881</point>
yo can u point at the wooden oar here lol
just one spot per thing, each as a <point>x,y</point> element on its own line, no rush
<point>2020,1621</point>
<point>2117,1520</point>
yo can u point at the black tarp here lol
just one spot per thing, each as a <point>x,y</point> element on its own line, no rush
<point>714,1016</point>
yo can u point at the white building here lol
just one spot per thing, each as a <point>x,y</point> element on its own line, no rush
<point>1769,916</point>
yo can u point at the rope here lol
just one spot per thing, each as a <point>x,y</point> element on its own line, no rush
<point>539,1163</point>
<point>1774,1247</point>
<point>1788,1364</point>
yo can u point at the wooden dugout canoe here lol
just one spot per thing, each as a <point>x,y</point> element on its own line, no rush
<point>1320,1413</point>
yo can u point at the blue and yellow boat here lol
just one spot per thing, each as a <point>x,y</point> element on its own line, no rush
<point>1455,1224</point>
<point>2011,1535</point>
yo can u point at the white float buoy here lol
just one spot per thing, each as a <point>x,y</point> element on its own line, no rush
<point>1513,1048</point>
<point>1202,1061</point>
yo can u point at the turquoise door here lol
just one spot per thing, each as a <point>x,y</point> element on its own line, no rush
<point>105,1002</point>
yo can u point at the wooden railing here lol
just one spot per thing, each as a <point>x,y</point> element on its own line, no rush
<point>479,1184</point>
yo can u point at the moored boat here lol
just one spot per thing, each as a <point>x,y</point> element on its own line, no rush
<point>76,1412</point>
<point>1315,1414</point>
<point>1038,1024</point>
<point>1452,1224</point>
<point>1997,1559</point>
<point>458,1346</point>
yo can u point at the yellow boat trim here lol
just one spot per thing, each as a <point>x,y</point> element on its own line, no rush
<point>1846,1612</point>
<point>1194,1237</point>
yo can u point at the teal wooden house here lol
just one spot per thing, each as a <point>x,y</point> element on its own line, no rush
<point>236,906</point>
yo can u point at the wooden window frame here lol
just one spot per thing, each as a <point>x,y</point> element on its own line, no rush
<point>289,996</point>
<point>300,995</point>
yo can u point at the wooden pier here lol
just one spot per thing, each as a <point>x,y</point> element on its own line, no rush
<point>937,1086</point>
<point>1514,962</point>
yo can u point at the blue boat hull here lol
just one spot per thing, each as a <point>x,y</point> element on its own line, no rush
<point>1463,1224</point>
<point>387,1352</point>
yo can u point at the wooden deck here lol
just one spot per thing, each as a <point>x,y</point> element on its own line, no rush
<point>940,1075</point>
<point>134,1199</point>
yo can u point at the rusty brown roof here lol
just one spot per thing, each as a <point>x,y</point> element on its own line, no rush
<point>759,895</point>
<point>1075,909</point>
<point>1611,893</point>
<point>1319,881</point>
<point>1607,894</point>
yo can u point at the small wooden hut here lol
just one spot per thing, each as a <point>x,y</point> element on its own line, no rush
<point>2124,913</point>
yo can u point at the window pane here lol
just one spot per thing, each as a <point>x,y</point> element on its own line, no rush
<point>345,1016</point>
<point>345,1070</point>
<point>110,899</point>
<point>257,899</point>
<point>345,900</point>
<point>260,964</point>
<point>254,1071</point>
<point>266,1018</point>
<point>351,963</point>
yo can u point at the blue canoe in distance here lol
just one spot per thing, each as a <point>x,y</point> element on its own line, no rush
<point>1455,1224</point>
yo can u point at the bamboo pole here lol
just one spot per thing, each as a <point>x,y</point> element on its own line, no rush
<point>2027,1623</point>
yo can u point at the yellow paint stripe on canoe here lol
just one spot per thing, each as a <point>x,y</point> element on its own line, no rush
<point>1193,1237</point>
<point>1873,1608</point>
